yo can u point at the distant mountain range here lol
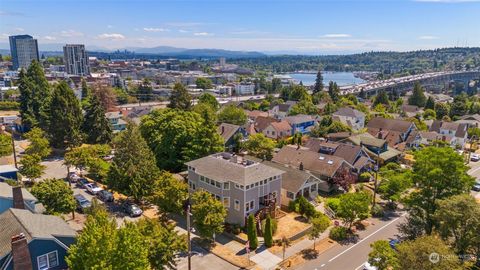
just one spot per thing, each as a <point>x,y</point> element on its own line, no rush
<point>54,48</point>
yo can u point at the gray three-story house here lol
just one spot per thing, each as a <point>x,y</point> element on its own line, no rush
<point>244,186</point>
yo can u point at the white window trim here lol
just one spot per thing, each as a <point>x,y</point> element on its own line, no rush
<point>48,262</point>
<point>223,201</point>
<point>236,202</point>
<point>228,184</point>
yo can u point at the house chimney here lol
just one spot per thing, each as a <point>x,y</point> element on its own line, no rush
<point>301,166</point>
<point>18,198</point>
<point>21,253</point>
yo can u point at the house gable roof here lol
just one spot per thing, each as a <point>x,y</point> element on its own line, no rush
<point>389,124</point>
<point>227,131</point>
<point>349,112</point>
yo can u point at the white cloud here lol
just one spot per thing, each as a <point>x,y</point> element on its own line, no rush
<point>183,31</point>
<point>152,29</point>
<point>202,34</point>
<point>427,37</point>
<point>337,35</point>
<point>19,29</point>
<point>70,33</point>
<point>111,36</point>
<point>49,38</point>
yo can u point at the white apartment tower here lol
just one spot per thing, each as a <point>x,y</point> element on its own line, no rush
<point>76,59</point>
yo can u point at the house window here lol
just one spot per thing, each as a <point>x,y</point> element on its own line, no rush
<point>290,195</point>
<point>217,197</point>
<point>226,185</point>
<point>313,187</point>
<point>202,178</point>
<point>273,133</point>
<point>249,206</point>
<point>218,184</point>
<point>226,202</point>
<point>237,205</point>
<point>48,260</point>
<point>256,184</point>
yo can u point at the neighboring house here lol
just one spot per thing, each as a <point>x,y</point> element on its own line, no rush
<point>472,120</point>
<point>252,115</point>
<point>411,110</point>
<point>353,154</point>
<point>323,167</point>
<point>42,239</point>
<point>245,186</point>
<point>280,111</point>
<point>351,117</point>
<point>262,122</point>
<point>376,148</point>
<point>278,130</point>
<point>18,197</point>
<point>8,172</point>
<point>394,131</point>
<point>136,113</point>
<point>228,132</point>
<point>301,123</point>
<point>458,131</point>
<point>115,118</point>
<point>429,137</point>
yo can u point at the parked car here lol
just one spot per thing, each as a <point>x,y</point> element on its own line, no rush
<point>81,182</point>
<point>393,243</point>
<point>475,157</point>
<point>132,209</point>
<point>105,196</point>
<point>368,266</point>
<point>92,188</point>
<point>476,186</point>
<point>82,203</point>
<point>72,177</point>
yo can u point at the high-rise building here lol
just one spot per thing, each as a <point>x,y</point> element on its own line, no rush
<point>24,49</point>
<point>76,59</point>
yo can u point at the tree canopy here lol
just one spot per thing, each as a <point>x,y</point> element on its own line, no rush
<point>208,214</point>
<point>55,195</point>
<point>418,97</point>
<point>233,115</point>
<point>260,146</point>
<point>180,98</point>
<point>96,126</point>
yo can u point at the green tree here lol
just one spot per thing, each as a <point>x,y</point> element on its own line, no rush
<point>298,93</point>
<point>130,251</point>
<point>180,98</point>
<point>320,223</point>
<point>177,137</point>
<point>259,146</point>
<point>438,173</point>
<point>96,126</point>
<point>353,207</point>
<point>170,193</point>
<point>34,96</point>
<point>252,232</point>
<point>381,98</point>
<point>86,92</point>
<point>268,233</point>
<point>145,91</point>
<point>459,106</point>
<point>66,114</point>
<point>415,254</point>
<point>210,100</point>
<point>418,96</point>
<point>5,144</point>
<point>203,83</point>
<point>133,171</point>
<point>382,256</point>
<point>394,186</point>
<point>441,110</point>
<point>333,91</point>
<point>318,82</point>
<point>429,114</point>
<point>305,208</point>
<point>474,131</point>
<point>106,95</point>
<point>233,115</point>
<point>39,143</point>
<point>163,242</point>
<point>31,167</point>
<point>430,104</point>
<point>458,219</point>
<point>55,195</point>
<point>208,214</point>
<point>303,107</point>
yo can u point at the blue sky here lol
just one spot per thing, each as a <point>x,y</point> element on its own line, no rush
<point>284,25</point>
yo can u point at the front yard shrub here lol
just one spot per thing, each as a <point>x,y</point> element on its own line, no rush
<point>364,177</point>
<point>338,233</point>
<point>377,211</point>
<point>333,203</point>
<point>274,226</point>
<point>267,233</point>
<point>293,206</point>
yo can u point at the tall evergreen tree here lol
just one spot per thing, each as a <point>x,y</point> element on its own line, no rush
<point>133,171</point>
<point>430,104</point>
<point>66,114</point>
<point>252,232</point>
<point>145,90</point>
<point>318,82</point>
<point>96,126</point>
<point>34,96</point>
<point>418,97</point>
<point>381,98</point>
<point>180,98</point>
<point>333,91</point>
<point>268,233</point>
<point>85,89</point>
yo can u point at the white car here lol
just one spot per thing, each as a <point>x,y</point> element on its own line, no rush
<point>475,157</point>
<point>92,188</point>
<point>368,266</point>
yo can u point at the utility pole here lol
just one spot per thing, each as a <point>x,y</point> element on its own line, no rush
<point>189,252</point>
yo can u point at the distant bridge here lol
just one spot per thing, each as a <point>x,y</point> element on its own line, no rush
<point>434,81</point>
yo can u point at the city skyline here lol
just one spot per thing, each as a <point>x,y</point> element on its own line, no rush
<point>302,26</point>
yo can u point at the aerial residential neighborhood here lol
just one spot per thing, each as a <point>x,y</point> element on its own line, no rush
<point>179,135</point>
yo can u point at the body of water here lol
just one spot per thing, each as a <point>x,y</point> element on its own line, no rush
<point>341,78</point>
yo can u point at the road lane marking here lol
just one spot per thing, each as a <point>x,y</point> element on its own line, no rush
<point>361,265</point>
<point>359,242</point>
<point>322,265</point>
